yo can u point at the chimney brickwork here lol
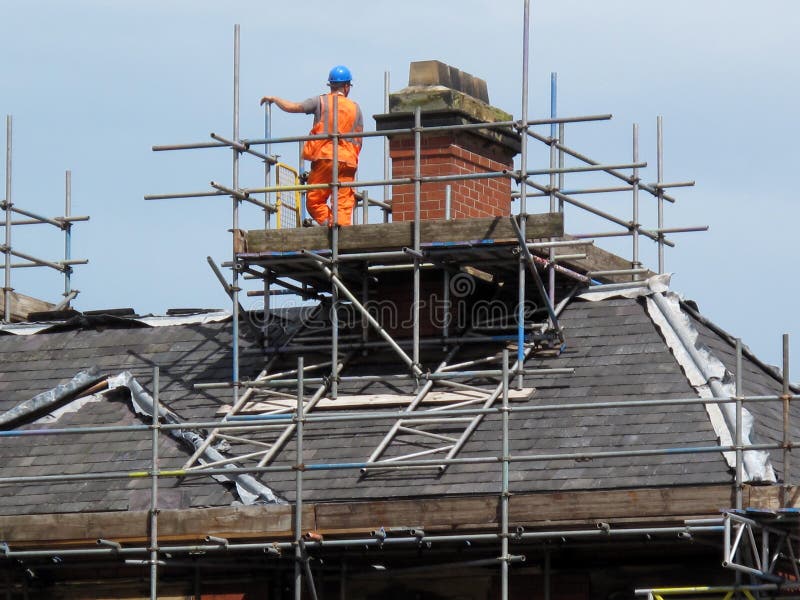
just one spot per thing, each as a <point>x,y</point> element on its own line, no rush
<point>448,96</point>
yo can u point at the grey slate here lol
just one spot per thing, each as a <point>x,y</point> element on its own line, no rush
<point>616,351</point>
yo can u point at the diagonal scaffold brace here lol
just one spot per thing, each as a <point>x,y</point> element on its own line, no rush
<point>321,264</point>
<point>526,253</point>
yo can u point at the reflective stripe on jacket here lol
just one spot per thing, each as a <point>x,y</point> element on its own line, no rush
<point>349,120</point>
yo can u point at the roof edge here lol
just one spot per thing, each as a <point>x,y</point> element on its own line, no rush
<point>768,369</point>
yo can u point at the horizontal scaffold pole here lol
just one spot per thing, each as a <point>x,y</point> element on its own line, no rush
<point>242,147</point>
<point>38,261</point>
<point>60,222</point>
<point>213,546</point>
<point>432,463</point>
<point>183,195</point>
<point>516,125</point>
<point>65,263</point>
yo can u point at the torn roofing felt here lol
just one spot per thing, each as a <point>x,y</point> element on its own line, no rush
<point>51,399</point>
<point>705,372</point>
<point>95,322</point>
<point>250,490</point>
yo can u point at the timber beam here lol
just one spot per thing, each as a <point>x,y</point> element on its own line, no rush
<point>539,511</point>
<point>22,306</point>
<point>396,235</point>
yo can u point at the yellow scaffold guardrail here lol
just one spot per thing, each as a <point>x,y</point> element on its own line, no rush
<point>288,198</point>
<point>726,593</point>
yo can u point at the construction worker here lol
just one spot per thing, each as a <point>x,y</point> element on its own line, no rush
<point>320,152</point>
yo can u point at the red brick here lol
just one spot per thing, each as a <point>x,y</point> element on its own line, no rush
<point>441,156</point>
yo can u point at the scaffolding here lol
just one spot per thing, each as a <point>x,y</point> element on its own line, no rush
<point>280,402</point>
<point>64,223</point>
<point>762,545</point>
<point>338,275</point>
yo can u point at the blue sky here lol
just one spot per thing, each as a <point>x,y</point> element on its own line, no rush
<point>93,84</point>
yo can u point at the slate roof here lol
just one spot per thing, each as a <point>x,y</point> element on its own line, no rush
<point>756,382</point>
<point>617,355</point>
<point>615,349</point>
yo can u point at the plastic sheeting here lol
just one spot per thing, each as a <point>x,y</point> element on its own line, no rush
<point>200,318</point>
<point>705,372</point>
<point>710,378</point>
<point>656,283</point>
<point>250,490</point>
<point>51,399</point>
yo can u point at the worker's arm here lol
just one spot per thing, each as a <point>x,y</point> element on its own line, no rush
<point>284,105</point>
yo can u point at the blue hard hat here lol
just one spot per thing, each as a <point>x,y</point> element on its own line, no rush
<point>339,74</point>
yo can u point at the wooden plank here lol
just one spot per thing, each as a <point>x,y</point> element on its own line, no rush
<point>429,514</point>
<point>770,497</point>
<point>476,513</point>
<point>536,510</point>
<point>22,306</point>
<point>234,522</point>
<point>643,503</point>
<point>377,400</point>
<point>401,234</point>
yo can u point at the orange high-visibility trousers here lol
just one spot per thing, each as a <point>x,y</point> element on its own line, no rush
<point>317,200</point>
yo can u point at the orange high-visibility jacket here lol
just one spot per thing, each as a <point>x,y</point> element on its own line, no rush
<point>349,120</point>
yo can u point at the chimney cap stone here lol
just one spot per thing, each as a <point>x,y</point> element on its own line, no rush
<point>437,73</point>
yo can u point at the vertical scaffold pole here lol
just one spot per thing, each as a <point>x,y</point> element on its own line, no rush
<point>267,304</point>
<point>364,302</point>
<point>417,244</point>
<point>154,489</point>
<point>236,201</point>
<point>67,234</point>
<point>660,143</point>
<point>504,495</point>
<point>447,312</point>
<point>523,193</point>
<point>739,454</point>
<point>335,169</point>
<point>635,263</point>
<point>298,504</point>
<point>386,168</point>
<point>301,163</point>
<point>739,410</point>
<point>551,271</point>
<point>267,163</point>
<point>7,286</point>
<point>561,176</point>
<point>335,249</point>
<point>787,434</point>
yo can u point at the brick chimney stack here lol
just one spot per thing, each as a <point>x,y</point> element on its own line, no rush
<point>447,96</point>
